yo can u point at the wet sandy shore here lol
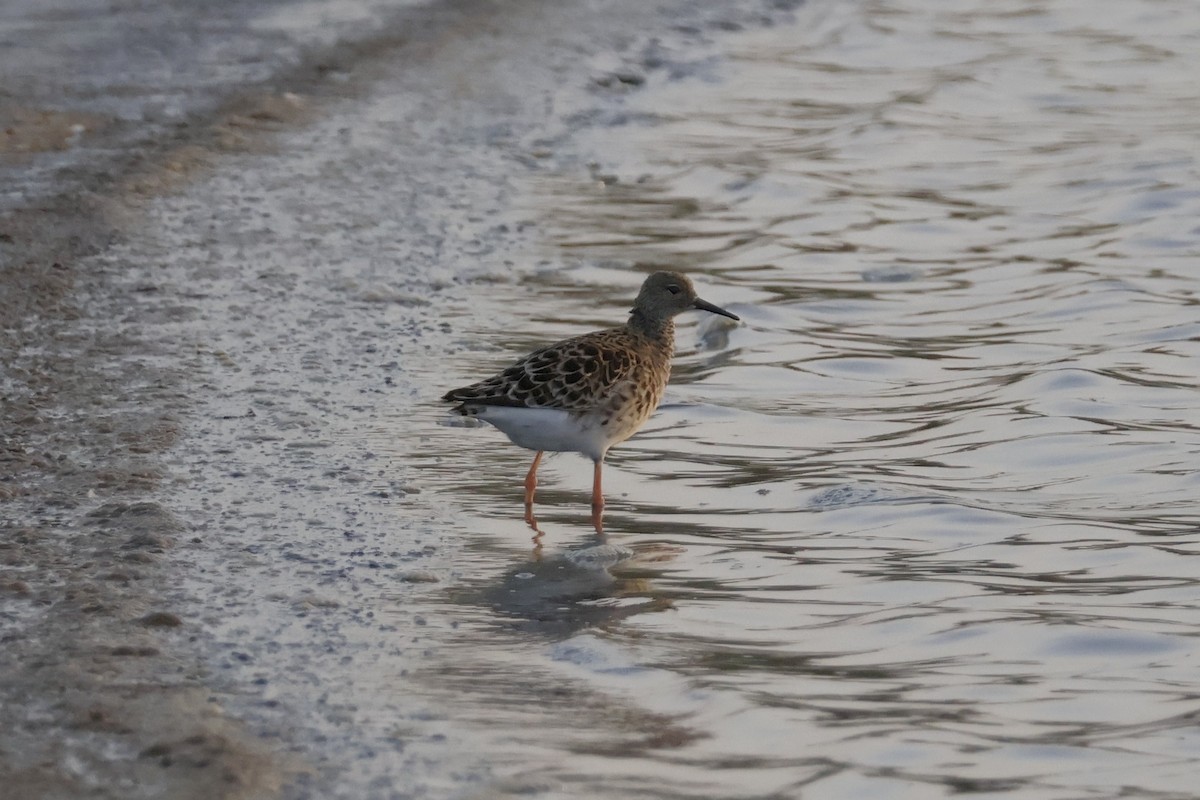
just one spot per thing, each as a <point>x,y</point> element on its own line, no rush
<point>226,237</point>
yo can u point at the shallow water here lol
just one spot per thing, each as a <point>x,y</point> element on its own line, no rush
<point>922,525</point>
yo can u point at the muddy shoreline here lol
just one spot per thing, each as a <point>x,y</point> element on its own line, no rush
<point>110,689</point>
<point>102,696</point>
<point>91,651</point>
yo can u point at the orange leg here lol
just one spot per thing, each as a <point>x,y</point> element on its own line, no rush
<point>531,520</point>
<point>531,483</point>
<point>597,499</point>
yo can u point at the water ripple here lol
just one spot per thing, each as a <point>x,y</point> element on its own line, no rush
<point>927,518</point>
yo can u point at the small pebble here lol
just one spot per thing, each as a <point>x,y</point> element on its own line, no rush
<point>419,576</point>
<point>161,619</point>
<point>129,650</point>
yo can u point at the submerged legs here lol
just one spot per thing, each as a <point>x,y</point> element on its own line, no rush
<point>597,494</point>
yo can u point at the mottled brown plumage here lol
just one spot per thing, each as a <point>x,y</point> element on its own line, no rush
<point>589,392</point>
<point>575,374</point>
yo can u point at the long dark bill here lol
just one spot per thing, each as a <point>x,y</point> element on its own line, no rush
<point>704,305</point>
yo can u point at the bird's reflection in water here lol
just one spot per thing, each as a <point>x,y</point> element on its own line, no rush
<point>563,592</point>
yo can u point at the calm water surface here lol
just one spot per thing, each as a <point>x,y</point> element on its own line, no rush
<point>924,525</point>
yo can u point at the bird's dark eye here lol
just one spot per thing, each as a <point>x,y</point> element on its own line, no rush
<point>674,289</point>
